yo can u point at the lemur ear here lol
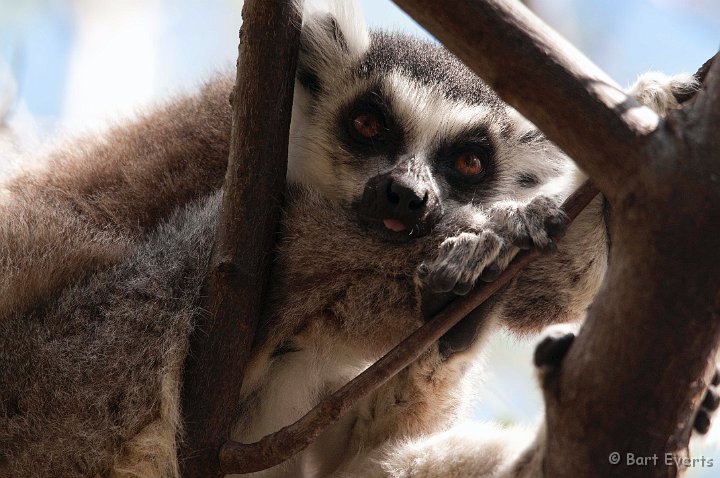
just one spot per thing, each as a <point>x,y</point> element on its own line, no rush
<point>332,38</point>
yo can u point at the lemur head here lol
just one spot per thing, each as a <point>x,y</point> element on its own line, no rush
<point>400,132</point>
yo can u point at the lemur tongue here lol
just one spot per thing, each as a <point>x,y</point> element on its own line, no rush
<point>394,225</point>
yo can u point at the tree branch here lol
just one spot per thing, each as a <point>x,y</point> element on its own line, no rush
<point>657,317</point>
<point>281,445</point>
<point>253,189</point>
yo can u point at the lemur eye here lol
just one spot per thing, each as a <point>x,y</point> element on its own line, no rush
<point>468,164</point>
<point>368,125</point>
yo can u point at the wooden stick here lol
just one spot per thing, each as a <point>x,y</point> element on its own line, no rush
<point>281,445</point>
<point>253,189</point>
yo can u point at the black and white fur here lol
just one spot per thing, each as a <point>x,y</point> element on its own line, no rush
<point>90,381</point>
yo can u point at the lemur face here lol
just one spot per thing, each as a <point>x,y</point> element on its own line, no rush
<point>401,133</point>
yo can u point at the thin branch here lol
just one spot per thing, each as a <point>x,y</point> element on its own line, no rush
<point>281,445</point>
<point>537,72</point>
<point>253,189</point>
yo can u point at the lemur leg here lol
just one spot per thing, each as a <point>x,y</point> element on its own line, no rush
<point>471,449</point>
<point>79,212</point>
<point>478,450</point>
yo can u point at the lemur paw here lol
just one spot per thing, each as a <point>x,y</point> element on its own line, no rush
<point>461,260</point>
<point>532,225</point>
<point>485,254</point>
<point>709,405</point>
<point>661,92</point>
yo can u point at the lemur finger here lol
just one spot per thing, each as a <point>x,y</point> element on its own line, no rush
<point>496,267</point>
<point>491,272</point>
<point>462,288</point>
<point>557,225</point>
<point>526,230</point>
<point>710,403</point>
<point>523,241</point>
<point>460,261</point>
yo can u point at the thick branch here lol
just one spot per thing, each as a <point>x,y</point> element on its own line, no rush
<point>254,184</point>
<point>545,78</point>
<point>657,319</point>
<point>273,449</point>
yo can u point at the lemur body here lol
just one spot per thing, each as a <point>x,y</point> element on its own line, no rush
<point>408,176</point>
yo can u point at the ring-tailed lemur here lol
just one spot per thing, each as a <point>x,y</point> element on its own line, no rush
<point>407,176</point>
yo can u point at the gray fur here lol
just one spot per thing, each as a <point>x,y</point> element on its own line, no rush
<point>429,64</point>
<point>81,377</point>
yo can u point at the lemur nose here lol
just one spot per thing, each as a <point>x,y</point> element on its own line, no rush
<point>401,202</point>
<point>406,198</point>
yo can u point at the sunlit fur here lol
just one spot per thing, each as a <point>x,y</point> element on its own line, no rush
<point>105,252</point>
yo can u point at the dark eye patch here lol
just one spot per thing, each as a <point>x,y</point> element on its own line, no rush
<point>367,125</point>
<point>462,186</point>
<point>475,143</point>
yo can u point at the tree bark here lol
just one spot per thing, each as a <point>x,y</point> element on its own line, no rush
<point>253,189</point>
<point>636,373</point>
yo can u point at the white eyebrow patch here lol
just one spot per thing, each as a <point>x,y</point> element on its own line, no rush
<point>429,117</point>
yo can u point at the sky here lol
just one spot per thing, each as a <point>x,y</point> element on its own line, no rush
<point>78,64</point>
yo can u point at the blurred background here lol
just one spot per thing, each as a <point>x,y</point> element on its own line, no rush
<point>71,67</point>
